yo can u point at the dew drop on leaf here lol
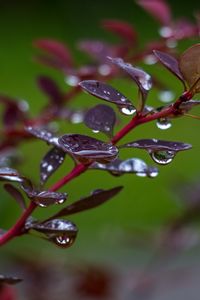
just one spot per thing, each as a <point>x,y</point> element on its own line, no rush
<point>163,123</point>
<point>128,111</point>
<point>163,157</point>
<point>63,241</point>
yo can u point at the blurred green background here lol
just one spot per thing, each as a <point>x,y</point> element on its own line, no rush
<point>144,203</point>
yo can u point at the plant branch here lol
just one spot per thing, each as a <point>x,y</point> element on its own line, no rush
<point>81,168</point>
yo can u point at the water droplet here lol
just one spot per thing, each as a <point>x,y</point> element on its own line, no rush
<point>141,174</point>
<point>49,168</point>
<point>163,123</point>
<point>153,173</point>
<point>150,59</point>
<point>146,82</point>
<point>165,31</point>
<point>95,131</point>
<point>61,201</point>
<point>77,117</point>
<point>104,70</point>
<point>171,43</point>
<point>162,157</point>
<point>166,96</point>
<point>23,105</point>
<point>63,241</point>
<point>128,110</point>
<point>41,204</point>
<point>72,80</point>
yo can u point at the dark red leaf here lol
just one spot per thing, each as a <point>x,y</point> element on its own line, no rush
<point>8,174</point>
<point>51,89</point>
<point>141,78</point>
<point>159,9</point>
<point>46,198</point>
<point>16,194</point>
<point>162,152</point>
<point>87,148</point>
<point>50,163</point>
<point>187,106</point>
<point>154,144</point>
<point>107,93</point>
<point>57,50</point>
<point>170,63</point>
<point>60,232</point>
<point>123,29</point>
<point>101,118</point>
<point>95,199</point>
<point>43,134</point>
<point>97,49</point>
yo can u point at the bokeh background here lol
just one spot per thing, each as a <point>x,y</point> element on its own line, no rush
<point>116,235</point>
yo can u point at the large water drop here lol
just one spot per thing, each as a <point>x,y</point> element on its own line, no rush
<point>163,123</point>
<point>163,157</point>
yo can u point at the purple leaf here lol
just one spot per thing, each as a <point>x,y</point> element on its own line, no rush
<point>131,165</point>
<point>56,50</point>
<point>141,78</point>
<point>46,198</point>
<point>154,144</point>
<point>187,106</point>
<point>95,199</point>
<point>101,118</point>
<point>16,194</point>
<point>123,29</point>
<point>43,134</point>
<point>159,9</point>
<point>97,49</point>
<point>60,232</point>
<point>162,152</point>
<point>50,163</point>
<point>86,148</point>
<point>107,93</point>
<point>51,89</point>
<point>8,174</point>
<point>9,279</point>
<point>11,115</point>
<point>170,63</point>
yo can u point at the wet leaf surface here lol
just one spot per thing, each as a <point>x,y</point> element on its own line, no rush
<point>131,165</point>
<point>85,147</point>
<point>170,62</point>
<point>50,163</point>
<point>107,93</point>
<point>141,78</point>
<point>101,118</point>
<point>8,174</point>
<point>46,198</point>
<point>43,134</point>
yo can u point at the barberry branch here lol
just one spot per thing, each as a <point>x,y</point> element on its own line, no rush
<point>137,120</point>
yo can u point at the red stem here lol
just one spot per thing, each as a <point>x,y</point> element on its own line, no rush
<point>80,168</point>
